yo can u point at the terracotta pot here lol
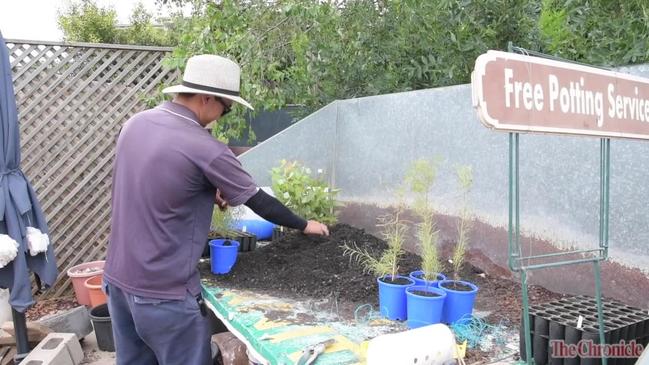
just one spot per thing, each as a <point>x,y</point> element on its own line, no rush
<point>79,274</point>
<point>96,295</point>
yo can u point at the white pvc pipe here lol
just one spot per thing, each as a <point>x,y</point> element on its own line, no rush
<point>428,345</point>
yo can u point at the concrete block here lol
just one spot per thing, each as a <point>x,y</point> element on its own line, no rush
<point>35,331</point>
<point>75,320</point>
<point>56,349</point>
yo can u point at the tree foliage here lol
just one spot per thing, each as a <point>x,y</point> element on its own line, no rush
<point>85,21</point>
<point>310,52</point>
<point>313,52</point>
<point>599,32</point>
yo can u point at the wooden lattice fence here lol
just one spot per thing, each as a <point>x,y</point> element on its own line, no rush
<point>72,100</point>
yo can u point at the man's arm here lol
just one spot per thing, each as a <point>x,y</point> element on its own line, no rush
<point>235,187</point>
<point>274,211</point>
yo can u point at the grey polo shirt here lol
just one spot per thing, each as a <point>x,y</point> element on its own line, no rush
<point>167,168</point>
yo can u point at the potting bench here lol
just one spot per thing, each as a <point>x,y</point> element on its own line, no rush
<point>276,330</point>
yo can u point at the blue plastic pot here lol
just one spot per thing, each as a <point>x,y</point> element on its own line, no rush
<point>423,310</point>
<point>392,299</point>
<point>263,229</point>
<point>418,281</point>
<point>223,257</point>
<point>459,304</point>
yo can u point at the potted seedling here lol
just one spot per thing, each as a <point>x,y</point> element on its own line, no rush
<point>424,300</point>
<point>223,244</point>
<point>460,295</point>
<point>419,179</point>
<point>392,286</point>
<point>226,225</point>
<point>222,220</point>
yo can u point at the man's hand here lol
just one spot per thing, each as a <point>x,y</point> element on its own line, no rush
<point>314,227</point>
<point>218,199</point>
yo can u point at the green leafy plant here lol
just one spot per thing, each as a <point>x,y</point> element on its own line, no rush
<point>420,178</point>
<point>386,262</point>
<point>465,179</point>
<point>309,197</point>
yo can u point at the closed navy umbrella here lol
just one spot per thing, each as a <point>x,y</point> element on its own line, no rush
<point>19,209</point>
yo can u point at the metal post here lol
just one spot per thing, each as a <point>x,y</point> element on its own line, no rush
<point>20,332</point>
<point>602,198</point>
<point>600,315</point>
<point>514,238</point>
<point>526,319</point>
<point>604,179</point>
<point>510,231</point>
<point>516,197</point>
<point>514,216</point>
<point>607,183</point>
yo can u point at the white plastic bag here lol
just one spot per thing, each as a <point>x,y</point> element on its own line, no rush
<point>8,250</point>
<point>37,241</point>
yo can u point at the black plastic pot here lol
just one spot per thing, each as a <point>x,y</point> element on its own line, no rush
<point>540,326</point>
<point>557,333</point>
<point>620,331</point>
<point>637,330</point>
<point>591,334</point>
<point>521,333</point>
<point>102,324</point>
<point>540,347</point>
<point>572,337</point>
<point>278,232</point>
<point>555,325</point>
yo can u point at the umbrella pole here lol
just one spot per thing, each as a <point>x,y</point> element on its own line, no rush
<point>20,332</point>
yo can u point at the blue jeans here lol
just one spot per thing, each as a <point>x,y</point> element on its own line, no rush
<point>149,331</point>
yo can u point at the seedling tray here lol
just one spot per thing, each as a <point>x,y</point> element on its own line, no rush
<point>558,320</point>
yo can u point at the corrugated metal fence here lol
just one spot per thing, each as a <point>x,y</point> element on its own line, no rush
<point>72,100</point>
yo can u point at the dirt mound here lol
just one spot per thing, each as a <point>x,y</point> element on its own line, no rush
<point>302,266</point>
<point>311,266</point>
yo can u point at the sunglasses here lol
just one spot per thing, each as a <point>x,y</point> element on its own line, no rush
<point>226,108</point>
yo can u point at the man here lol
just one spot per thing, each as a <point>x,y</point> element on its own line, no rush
<point>168,172</point>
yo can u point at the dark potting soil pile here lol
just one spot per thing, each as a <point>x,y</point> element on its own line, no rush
<point>305,267</point>
<point>310,266</point>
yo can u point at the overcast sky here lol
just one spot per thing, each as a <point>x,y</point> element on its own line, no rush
<point>36,19</point>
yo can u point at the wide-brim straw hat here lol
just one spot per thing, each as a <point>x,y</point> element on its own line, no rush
<point>212,75</point>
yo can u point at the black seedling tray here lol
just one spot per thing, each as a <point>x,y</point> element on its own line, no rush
<point>557,320</point>
<point>247,241</point>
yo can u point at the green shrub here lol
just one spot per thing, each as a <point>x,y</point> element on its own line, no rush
<point>309,197</point>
